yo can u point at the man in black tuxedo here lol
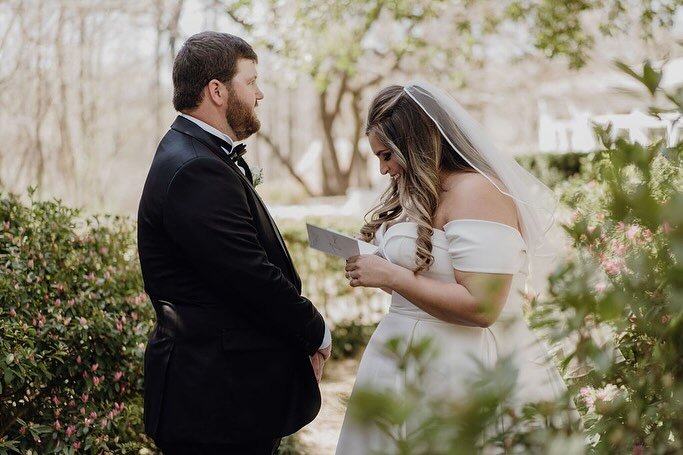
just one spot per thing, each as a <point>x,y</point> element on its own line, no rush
<point>233,362</point>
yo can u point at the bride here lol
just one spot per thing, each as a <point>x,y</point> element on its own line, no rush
<point>459,230</point>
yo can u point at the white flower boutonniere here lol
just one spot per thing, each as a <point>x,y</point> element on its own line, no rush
<point>256,174</point>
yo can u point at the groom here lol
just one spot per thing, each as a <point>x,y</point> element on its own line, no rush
<point>233,362</point>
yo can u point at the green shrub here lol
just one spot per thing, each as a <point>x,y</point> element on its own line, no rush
<point>73,323</point>
<point>554,168</point>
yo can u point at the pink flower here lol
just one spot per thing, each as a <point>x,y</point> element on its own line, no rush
<point>104,423</point>
<point>77,445</point>
<point>96,380</point>
<point>72,404</point>
<point>30,263</point>
<point>55,400</point>
<point>87,422</point>
<point>620,250</point>
<point>93,415</point>
<point>82,411</point>
<point>83,321</point>
<point>78,360</point>
<point>94,367</point>
<point>118,375</point>
<point>632,232</point>
<point>614,266</point>
<point>71,302</point>
<point>103,251</point>
<point>57,425</point>
<point>58,302</point>
<point>12,312</point>
<point>84,397</point>
<point>70,430</point>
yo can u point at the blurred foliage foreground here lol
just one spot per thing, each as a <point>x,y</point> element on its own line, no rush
<point>623,277</point>
<point>74,320</point>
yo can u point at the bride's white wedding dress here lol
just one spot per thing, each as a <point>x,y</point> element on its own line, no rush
<point>469,246</point>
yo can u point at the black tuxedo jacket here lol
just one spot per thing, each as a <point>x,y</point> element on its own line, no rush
<point>228,358</point>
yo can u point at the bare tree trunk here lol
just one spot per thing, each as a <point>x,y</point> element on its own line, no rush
<point>66,159</point>
<point>358,168</point>
<point>332,179</point>
<point>156,89</point>
<point>173,29</point>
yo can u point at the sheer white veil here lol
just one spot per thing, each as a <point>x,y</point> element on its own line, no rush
<point>536,203</point>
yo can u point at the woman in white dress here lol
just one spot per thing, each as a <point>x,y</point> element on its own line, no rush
<point>458,230</point>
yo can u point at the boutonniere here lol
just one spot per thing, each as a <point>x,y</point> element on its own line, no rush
<point>256,174</point>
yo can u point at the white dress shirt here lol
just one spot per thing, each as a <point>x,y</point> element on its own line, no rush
<point>327,337</point>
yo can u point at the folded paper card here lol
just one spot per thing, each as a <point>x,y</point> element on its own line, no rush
<point>337,244</point>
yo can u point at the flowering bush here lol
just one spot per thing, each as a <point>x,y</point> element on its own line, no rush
<point>627,276</point>
<point>73,320</point>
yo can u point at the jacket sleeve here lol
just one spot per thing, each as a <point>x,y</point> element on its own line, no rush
<point>208,216</point>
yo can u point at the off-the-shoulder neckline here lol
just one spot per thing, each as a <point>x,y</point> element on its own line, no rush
<point>466,220</point>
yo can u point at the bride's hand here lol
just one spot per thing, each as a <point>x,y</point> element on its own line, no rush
<point>370,271</point>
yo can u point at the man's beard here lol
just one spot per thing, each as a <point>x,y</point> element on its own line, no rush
<point>241,118</point>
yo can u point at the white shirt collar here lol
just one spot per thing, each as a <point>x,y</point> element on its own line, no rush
<point>209,129</point>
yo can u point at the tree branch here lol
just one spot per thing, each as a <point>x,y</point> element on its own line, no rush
<point>286,161</point>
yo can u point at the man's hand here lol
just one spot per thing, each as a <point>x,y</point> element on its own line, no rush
<point>318,360</point>
<point>327,352</point>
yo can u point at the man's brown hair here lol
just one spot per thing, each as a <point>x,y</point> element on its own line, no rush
<point>203,57</point>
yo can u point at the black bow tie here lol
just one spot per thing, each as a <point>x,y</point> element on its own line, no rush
<point>237,152</point>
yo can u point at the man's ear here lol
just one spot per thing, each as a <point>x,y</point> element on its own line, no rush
<point>216,92</point>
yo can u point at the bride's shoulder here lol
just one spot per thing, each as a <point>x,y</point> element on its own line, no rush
<point>473,196</point>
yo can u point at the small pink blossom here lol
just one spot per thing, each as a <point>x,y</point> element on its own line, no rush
<point>58,302</point>
<point>620,249</point>
<point>30,263</point>
<point>118,375</point>
<point>77,445</point>
<point>78,360</point>
<point>104,251</point>
<point>12,312</point>
<point>83,321</point>
<point>84,397</point>
<point>70,430</point>
<point>57,425</point>
<point>93,415</point>
<point>96,380</point>
<point>103,423</point>
<point>94,367</point>
<point>632,232</point>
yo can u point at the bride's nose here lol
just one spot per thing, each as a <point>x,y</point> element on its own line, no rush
<point>383,168</point>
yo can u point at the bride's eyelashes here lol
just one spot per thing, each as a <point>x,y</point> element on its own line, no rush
<point>386,156</point>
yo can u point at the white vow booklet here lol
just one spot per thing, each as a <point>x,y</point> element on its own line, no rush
<point>334,243</point>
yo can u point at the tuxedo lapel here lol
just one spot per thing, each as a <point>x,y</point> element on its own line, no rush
<point>214,144</point>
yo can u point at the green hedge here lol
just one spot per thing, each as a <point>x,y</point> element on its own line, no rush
<point>553,168</point>
<point>73,323</point>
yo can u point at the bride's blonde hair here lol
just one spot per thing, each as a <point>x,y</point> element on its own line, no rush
<point>418,147</point>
